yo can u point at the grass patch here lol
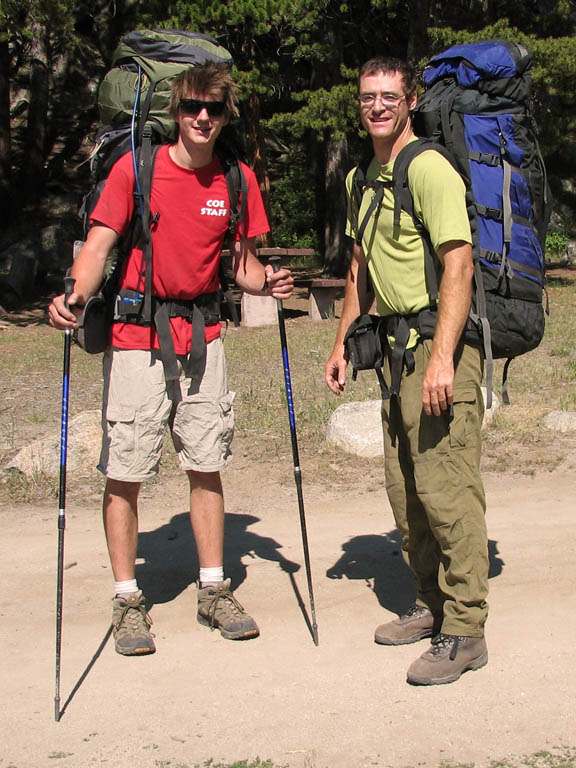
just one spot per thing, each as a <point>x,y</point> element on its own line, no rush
<point>557,757</point>
<point>517,439</point>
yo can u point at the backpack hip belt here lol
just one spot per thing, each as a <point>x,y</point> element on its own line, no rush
<point>202,311</point>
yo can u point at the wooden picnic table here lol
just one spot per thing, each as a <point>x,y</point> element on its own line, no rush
<point>322,289</point>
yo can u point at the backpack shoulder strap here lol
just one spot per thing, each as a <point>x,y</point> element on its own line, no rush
<point>404,200</point>
<point>139,228</point>
<point>145,160</point>
<point>237,193</point>
<point>359,185</point>
<point>237,190</point>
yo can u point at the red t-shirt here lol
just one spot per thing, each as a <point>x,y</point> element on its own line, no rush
<point>187,238</point>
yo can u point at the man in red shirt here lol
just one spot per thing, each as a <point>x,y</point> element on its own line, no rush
<point>190,209</point>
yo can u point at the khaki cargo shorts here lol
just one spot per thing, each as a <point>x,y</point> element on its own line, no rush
<point>138,406</point>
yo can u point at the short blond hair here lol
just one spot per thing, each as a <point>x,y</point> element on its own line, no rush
<point>205,79</point>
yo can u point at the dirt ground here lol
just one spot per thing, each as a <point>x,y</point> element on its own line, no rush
<point>343,704</point>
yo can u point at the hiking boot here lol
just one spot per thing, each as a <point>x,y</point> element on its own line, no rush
<point>131,625</point>
<point>219,609</point>
<point>447,658</point>
<point>415,624</point>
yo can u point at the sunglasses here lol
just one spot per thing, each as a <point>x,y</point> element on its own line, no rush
<point>193,107</point>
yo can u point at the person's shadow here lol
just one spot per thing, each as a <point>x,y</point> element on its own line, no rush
<point>377,560</point>
<point>171,560</point>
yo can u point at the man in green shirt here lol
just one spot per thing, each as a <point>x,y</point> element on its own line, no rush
<point>432,422</point>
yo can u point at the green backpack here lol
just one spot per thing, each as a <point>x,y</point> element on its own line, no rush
<point>144,65</point>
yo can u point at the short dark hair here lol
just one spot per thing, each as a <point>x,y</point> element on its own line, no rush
<point>387,65</point>
<point>204,79</point>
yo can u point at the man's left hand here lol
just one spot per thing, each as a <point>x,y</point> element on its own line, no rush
<point>280,284</point>
<point>438,386</point>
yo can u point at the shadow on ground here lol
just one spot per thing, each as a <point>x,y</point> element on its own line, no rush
<point>171,559</point>
<point>377,560</point>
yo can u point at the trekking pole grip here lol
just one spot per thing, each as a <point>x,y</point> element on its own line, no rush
<point>274,262</point>
<point>69,283</point>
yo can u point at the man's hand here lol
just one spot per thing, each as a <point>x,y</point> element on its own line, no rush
<point>336,370</point>
<point>61,317</point>
<point>280,284</point>
<point>438,386</point>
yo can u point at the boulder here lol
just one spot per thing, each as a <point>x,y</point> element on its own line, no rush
<point>83,449</point>
<point>357,427</point>
<point>569,255</point>
<point>561,421</point>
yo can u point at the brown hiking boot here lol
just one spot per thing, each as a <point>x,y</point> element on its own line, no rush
<point>447,658</point>
<point>131,625</point>
<point>219,609</point>
<point>415,624</point>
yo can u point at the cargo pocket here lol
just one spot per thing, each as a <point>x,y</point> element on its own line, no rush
<point>119,434</point>
<point>464,425</point>
<point>227,417</point>
<point>202,431</point>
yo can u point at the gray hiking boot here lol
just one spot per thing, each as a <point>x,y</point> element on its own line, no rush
<point>219,609</point>
<point>447,658</point>
<point>131,625</point>
<point>418,622</point>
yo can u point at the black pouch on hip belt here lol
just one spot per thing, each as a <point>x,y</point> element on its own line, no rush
<point>363,344</point>
<point>94,325</point>
<point>363,348</point>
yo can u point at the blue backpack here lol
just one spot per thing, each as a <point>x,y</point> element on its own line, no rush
<point>475,111</point>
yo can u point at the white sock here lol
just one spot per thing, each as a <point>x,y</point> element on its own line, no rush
<point>126,587</point>
<point>211,575</point>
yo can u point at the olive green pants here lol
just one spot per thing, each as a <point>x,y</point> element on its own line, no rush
<point>435,489</point>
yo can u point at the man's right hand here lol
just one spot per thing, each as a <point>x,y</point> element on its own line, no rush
<point>62,317</point>
<point>336,371</point>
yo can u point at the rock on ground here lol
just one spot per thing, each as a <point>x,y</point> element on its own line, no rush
<point>357,428</point>
<point>561,421</point>
<point>43,455</point>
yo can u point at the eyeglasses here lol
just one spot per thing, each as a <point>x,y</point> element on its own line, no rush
<point>388,100</point>
<point>193,107</point>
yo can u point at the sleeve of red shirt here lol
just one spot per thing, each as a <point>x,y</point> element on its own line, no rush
<point>255,221</point>
<point>116,203</point>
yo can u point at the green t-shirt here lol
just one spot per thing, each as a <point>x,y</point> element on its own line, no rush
<point>397,266</point>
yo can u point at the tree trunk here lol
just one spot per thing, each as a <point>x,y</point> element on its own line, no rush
<point>257,151</point>
<point>336,245</point>
<point>5,150</point>
<point>35,141</point>
<point>417,34</point>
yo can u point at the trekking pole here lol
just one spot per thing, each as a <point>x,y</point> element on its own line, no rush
<point>297,471</point>
<point>68,289</point>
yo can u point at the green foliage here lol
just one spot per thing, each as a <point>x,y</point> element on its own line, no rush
<point>556,243</point>
<point>325,112</point>
<point>293,207</point>
<point>296,62</point>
